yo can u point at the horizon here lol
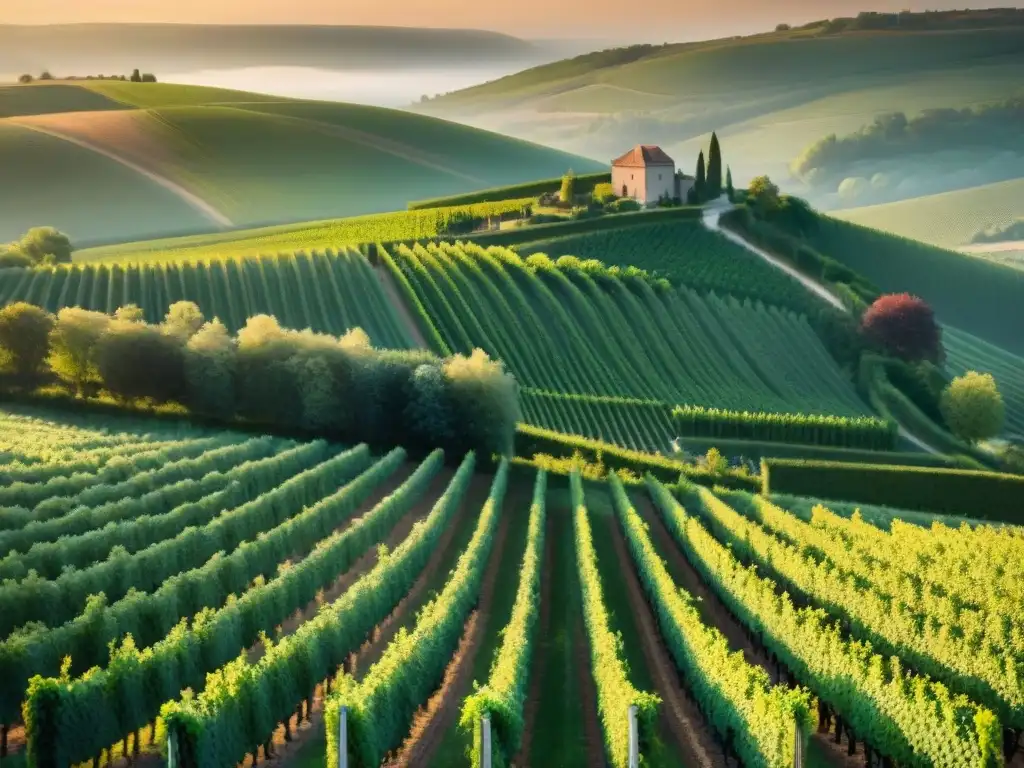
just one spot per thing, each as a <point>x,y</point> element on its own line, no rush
<point>663,20</point>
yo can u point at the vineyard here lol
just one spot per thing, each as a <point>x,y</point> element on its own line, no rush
<point>294,587</point>
<point>592,349</point>
<point>329,292</point>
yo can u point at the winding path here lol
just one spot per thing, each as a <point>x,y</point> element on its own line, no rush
<point>711,216</point>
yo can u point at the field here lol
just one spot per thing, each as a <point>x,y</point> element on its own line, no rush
<point>99,198</point>
<point>971,294</point>
<point>949,220</point>
<point>965,352</point>
<point>329,292</point>
<point>252,160</point>
<point>388,584</point>
<point>603,339</point>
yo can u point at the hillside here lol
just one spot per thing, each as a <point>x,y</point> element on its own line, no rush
<point>768,96</point>
<point>948,220</point>
<point>234,159</point>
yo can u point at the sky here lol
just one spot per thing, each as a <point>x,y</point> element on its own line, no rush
<point>655,20</point>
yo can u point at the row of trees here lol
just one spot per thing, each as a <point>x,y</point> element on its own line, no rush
<point>46,75</point>
<point>40,245</point>
<point>338,387</point>
<point>708,183</point>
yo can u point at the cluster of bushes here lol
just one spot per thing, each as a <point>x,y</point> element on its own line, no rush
<point>284,379</point>
<point>40,245</point>
<point>135,77</point>
<point>984,495</point>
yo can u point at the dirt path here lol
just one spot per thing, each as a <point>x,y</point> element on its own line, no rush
<point>588,693</point>
<point>677,716</point>
<point>58,127</point>
<point>391,290</point>
<point>711,216</point>
<point>537,665</point>
<point>442,711</point>
<point>716,614</point>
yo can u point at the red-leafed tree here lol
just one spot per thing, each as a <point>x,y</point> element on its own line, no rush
<point>903,326</point>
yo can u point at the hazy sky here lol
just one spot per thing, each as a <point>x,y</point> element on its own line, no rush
<point>652,20</point>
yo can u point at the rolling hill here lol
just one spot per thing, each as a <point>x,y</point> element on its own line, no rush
<point>767,95</point>
<point>234,159</point>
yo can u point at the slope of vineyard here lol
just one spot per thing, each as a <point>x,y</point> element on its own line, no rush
<point>602,355</point>
<point>329,292</point>
<point>965,352</point>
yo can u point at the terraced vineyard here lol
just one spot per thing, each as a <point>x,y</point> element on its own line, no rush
<point>329,292</point>
<point>606,356</point>
<point>286,582</point>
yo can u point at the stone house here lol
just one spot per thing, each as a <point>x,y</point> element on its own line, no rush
<point>647,174</point>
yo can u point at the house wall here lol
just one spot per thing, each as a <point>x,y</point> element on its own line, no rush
<point>634,180</point>
<point>685,185</point>
<point>661,183</point>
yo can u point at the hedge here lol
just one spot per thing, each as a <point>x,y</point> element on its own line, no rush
<point>983,495</point>
<point>755,450</point>
<point>584,183</point>
<point>531,440</point>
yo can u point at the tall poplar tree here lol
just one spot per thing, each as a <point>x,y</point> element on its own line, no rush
<point>701,185</point>
<point>730,190</point>
<point>714,179</point>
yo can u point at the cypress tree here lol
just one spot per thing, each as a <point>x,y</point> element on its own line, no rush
<point>730,191</point>
<point>714,181</point>
<point>701,184</point>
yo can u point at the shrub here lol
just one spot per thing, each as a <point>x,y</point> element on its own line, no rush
<point>40,242</point>
<point>11,257</point>
<point>626,204</point>
<point>764,194</point>
<point>604,192</point>
<point>568,190</point>
<point>72,343</point>
<point>903,326</point>
<point>24,335</point>
<point>135,361</point>
<point>972,407</point>
<point>184,319</point>
<point>130,313</point>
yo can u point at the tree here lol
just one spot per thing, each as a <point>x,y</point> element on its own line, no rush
<point>136,76</point>
<point>972,407</point>
<point>714,176</point>
<point>568,191</point>
<point>903,326</point>
<point>40,242</point>
<point>25,79</point>
<point>183,319</point>
<point>765,194</point>
<point>72,342</point>
<point>701,185</point>
<point>210,362</point>
<point>137,361</point>
<point>730,191</point>
<point>45,75</point>
<point>148,77</point>
<point>24,339</point>
<point>130,313</point>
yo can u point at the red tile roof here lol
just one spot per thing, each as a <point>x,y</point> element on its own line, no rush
<point>643,155</point>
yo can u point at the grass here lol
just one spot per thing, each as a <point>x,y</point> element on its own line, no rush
<point>972,294</point>
<point>43,98</point>
<point>948,220</point>
<point>259,160</point>
<point>52,182</point>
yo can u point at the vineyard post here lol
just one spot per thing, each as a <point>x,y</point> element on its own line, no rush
<point>634,739</point>
<point>798,748</point>
<point>343,738</point>
<point>172,750</point>
<point>485,727</point>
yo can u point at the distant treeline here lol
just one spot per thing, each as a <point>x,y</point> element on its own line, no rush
<point>46,75</point>
<point>928,20</point>
<point>992,128</point>
<point>1013,231</point>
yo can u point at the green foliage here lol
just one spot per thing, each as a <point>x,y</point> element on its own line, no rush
<point>715,462</point>
<point>965,352</point>
<point>567,191</point>
<point>72,345</point>
<point>730,191</point>
<point>604,192</point>
<point>764,194</point>
<point>615,693</point>
<point>503,696</point>
<point>24,339</point>
<point>729,689</point>
<point>952,491</point>
<point>972,407</point>
<point>181,659</point>
<point>584,183</point>
<point>44,245</point>
<point>136,361</point>
<point>714,170</point>
<point>382,703</point>
<point>911,719</point>
<point>701,184</point>
<point>844,431</point>
<point>215,724</point>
